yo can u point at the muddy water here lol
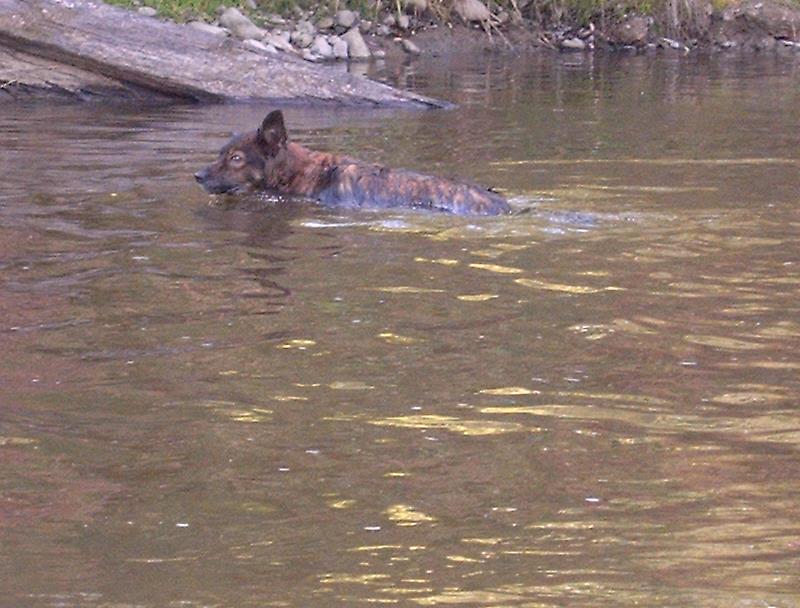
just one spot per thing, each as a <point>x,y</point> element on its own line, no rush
<point>593,402</point>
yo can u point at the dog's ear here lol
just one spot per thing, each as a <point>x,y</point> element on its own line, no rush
<point>272,134</point>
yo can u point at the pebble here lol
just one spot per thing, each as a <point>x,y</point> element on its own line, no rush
<point>147,11</point>
<point>339,47</point>
<point>326,23</point>
<point>365,26</point>
<point>278,40</point>
<point>239,25</point>
<point>404,22</point>
<point>573,44</point>
<point>208,28</point>
<point>302,39</point>
<point>346,19</point>
<point>322,47</point>
<point>357,49</point>
<point>410,48</point>
<point>415,6</point>
<point>471,10</point>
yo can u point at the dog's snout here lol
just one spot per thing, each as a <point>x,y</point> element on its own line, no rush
<point>200,176</point>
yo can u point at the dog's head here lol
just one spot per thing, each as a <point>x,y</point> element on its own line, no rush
<point>249,162</point>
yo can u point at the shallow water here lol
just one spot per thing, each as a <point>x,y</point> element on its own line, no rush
<point>593,402</point>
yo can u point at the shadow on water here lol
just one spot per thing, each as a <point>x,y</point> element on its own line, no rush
<point>243,402</point>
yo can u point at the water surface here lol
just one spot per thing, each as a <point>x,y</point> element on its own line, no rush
<point>593,402</point>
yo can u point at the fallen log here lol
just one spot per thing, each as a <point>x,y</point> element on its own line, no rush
<point>85,46</point>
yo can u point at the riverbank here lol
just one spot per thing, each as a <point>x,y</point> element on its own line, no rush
<point>370,29</point>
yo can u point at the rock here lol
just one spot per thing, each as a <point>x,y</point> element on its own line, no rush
<point>416,7</point>
<point>389,20</point>
<point>325,24</point>
<point>239,25</point>
<point>311,56</point>
<point>322,47</point>
<point>208,28</point>
<point>357,49</point>
<point>278,40</point>
<point>365,26</point>
<point>274,19</point>
<point>410,48</point>
<point>631,31</point>
<point>339,47</point>
<point>301,39</point>
<point>572,44</point>
<point>305,26</point>
<point>251,4</point>
<point>383,30</point>
<point>403,22</point>
<point>147,11</point>
<point>379,54</point>
<point>346,19</point>
<point>471,10</point>
<point>260,47</point>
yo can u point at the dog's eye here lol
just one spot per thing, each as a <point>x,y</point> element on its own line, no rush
<point>236,158</point>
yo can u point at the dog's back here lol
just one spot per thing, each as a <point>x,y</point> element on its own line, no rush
<point>264,160</point>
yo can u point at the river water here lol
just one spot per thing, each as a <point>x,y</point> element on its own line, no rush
<point>592,402</point>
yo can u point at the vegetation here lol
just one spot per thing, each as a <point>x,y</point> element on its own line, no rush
<point>678,17</point>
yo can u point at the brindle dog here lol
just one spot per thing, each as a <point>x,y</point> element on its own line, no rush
<point>265,160</point>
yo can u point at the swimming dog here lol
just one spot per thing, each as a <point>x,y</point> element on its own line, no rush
<point>265,160</point>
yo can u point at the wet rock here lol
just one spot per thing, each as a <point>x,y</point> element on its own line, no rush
<point>322,47</point>
<point>631,31</point>
<point>147,11</point>
<point>239,25</point>
<point>471,10</point>
<point>339,47</point>
<point>749,23</point>
<point>208,28</point>
<point>357,49</point>
<point>325,24</point>
<point>346,19</point>
<point>410,48</point>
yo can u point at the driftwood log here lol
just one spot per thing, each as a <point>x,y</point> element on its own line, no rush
<point>85,48</point>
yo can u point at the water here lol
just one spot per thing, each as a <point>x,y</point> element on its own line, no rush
<point>593,402</point>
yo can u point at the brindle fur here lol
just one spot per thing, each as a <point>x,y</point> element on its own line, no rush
<point>265,161</point>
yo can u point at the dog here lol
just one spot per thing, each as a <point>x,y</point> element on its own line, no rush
<point>265,160</point>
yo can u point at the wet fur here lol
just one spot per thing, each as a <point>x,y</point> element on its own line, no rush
<point>265,160</point>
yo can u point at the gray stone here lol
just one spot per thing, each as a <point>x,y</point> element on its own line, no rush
<point>147,11</point>
<point>322,47</point>
<point>403,22</point>
<point>208,28</point>
<point>305,26</point>
<point>415,6</point>
<point>471,10</point>
<point>325,24</point>
<point>302,39</point>
<point>410,48</point>
<point>357,49</point>
<point>278,40</point>
<point>389,20</point>
<point>311,56</point>
<point>346,19</point>
<point>383,30</point>
<point>364,26</point>
<point>339,45</point>
<point>260,47</point>
<point>239,25</point>
<point>274,19</point>
<point>572,44</point>
<point>251,4</point>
